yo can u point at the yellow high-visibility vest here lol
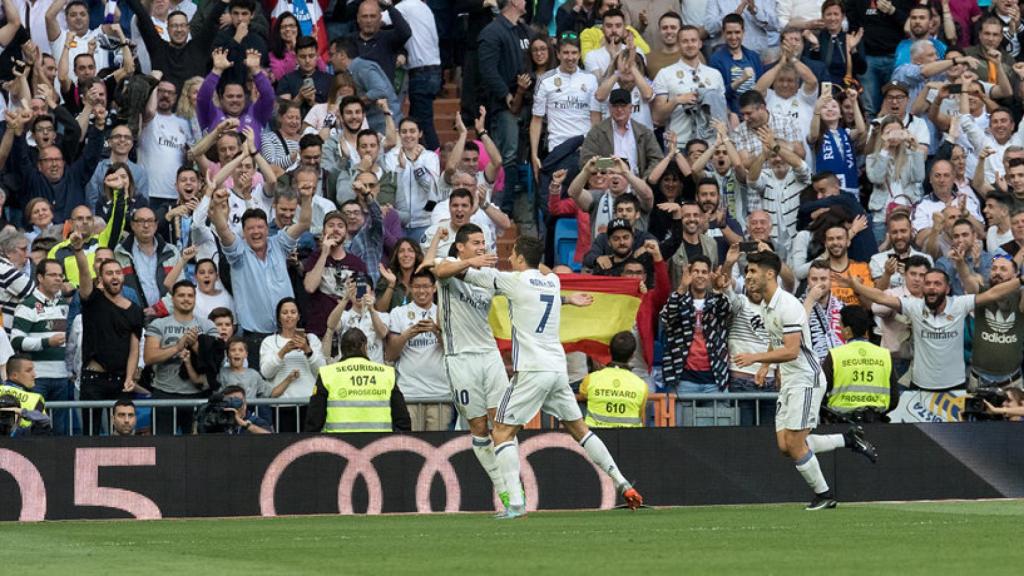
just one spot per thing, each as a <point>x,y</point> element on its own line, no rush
<point>358,396</point>
<point>860,375</point>
<point>615,399</point>
<point>29,400</point>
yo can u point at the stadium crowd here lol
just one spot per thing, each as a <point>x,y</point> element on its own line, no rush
<point>205,196</point>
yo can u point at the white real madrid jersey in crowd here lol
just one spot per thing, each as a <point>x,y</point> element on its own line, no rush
<point>535,303</point>
<point>462,311</point>
<point>566,100</point>
<point>681,78</point>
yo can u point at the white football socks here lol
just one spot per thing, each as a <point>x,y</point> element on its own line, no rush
<point>821,443</point>
<point>483,448</point>
<point>811,471</point>
<point>506,455</point>
<point>598,454</point>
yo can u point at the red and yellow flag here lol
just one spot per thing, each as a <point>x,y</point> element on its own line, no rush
<point>586,329</point>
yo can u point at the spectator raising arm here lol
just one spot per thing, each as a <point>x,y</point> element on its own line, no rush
<point>301,226</point>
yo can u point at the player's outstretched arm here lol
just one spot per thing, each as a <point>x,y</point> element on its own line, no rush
<point>578,299</point>
<point>998,292</point>
<point>449,268</point>
<point>869,293</point>
<point>790,351</point>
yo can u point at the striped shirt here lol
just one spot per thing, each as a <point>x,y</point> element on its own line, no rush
<point>780,198</point>
<point>277,150</point>
<point>14,286</point>
<point>35,320</point>
<point>746,332</point>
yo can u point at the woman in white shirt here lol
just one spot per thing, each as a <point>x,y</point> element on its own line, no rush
<point>289,351</point>
<point>418,171</point>
<point>209,293</point>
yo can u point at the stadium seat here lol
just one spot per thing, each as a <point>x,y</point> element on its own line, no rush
<point>565,243</point>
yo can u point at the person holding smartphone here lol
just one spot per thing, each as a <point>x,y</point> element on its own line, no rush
<point>306,83</point>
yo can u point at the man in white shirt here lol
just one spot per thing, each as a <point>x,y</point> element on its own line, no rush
<point>565,96</point>
<point>460,207</point>
<point>888,267</point>
<point>162,144</point>
<point>76,17</point>
<point>540,380</point>
<point>802,382</point>
<point>683,89</point>
<point>790,89</point>
<point>616,39</point>
<point>424,66</point>
<point>473,364</point>
<point>414,344</point>
<point>937,325</point>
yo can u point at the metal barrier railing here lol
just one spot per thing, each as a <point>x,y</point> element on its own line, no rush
<point>664,409</point>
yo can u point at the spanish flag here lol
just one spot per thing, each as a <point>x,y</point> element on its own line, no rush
<point>587,329</point>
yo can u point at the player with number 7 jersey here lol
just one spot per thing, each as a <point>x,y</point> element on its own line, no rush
<point>541,381</point>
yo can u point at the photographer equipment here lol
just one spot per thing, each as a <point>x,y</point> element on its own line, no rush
<point>8,417</point>
<point>216,416</point>
<point>974,404</point>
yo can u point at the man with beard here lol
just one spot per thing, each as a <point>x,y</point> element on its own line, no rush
<point>616,39</point>
<point>888,267</point>
<point>721,224</point>
<point>823,309</point>
<point>170,343</point>
<point>937,324</point>
<point>602,252</point>
<point>162,144</point>
<point>967,263</point>
<point>111,327</point>
<point>620,245</point>
<point>175,221</point>
<point>473,365</point>
<point>802,383</point>
<point>696,242</point>
<point>998,333</point>
<point>684,88</point>
<point>917,25</point>
<point>837,244</point>
<point>327,271</point>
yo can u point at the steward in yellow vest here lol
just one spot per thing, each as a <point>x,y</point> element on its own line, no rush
<point>615,397</point>
<point>356,395</point>
<point>860,374</point>
<point>21,380</point>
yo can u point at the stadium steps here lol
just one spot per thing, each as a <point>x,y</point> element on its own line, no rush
<point>505,242</point>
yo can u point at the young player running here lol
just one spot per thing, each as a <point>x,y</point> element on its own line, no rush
<point>540,380</point>
<point>803,383</point>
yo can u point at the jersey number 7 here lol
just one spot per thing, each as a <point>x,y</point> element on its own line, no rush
<point>548,300</point>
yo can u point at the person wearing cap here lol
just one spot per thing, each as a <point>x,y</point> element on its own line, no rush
<point>610,250</point>
<point>628,74</point>
<point>621,136</point>
<point>895,102</point>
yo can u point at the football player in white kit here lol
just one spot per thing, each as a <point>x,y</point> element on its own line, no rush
<point>802,381</point>
<point>540,379</point>
<point>472,362</point>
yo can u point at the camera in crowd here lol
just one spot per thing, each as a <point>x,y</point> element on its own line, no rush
<point>218,415</point>
<point>8,415</point>
<point>974,403</point>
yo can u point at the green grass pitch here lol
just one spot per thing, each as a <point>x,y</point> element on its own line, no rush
<point>917,538</point>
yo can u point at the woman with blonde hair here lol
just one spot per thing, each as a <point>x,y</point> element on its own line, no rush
<point>896,168</point>
<point>187,108</point>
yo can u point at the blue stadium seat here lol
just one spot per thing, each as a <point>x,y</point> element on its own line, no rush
<point>565,243</point>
